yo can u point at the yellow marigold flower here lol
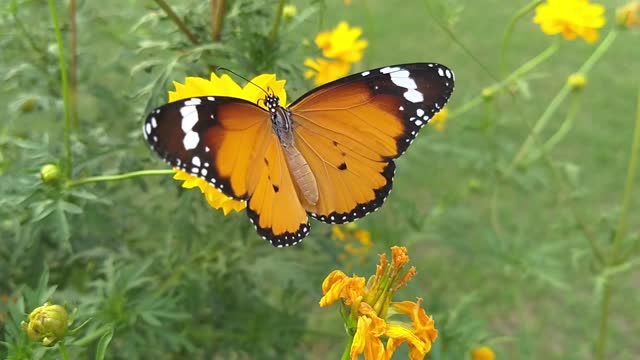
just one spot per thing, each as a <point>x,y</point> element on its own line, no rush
<point>571,18</point>
<point>629,15</point>
<point>439,120</point>
<point>482,353</point>
<point>222,86</point>
<point>342,43</point>
<point>289,11</point>
<point>47,324</point>
<point>325,71</point>
<point>577,81</point>
<point>367,307</point>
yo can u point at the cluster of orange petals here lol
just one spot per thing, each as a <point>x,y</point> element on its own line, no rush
<point>370,303</point>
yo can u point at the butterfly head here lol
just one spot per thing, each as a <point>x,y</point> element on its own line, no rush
<point>272,102</point>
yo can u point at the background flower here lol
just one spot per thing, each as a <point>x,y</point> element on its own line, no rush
<point>571,18</point>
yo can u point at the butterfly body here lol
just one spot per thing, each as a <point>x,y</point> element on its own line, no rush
<point>329,155</point>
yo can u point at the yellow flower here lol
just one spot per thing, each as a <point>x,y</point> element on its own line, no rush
<point>439,120</point>
<point>355,242</point>
<point>482,353</point>
<point>222,86</point>
<point>571,18</point>
<point>289,11</point>
<point>325,71</point>
<point>367,306</point>
<point>629,15</point>
<point>342,43</point>
<point>422,325</point>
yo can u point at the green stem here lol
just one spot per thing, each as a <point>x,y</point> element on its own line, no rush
<point>509,31</point>
<point>176,19</point>
<point>217,17</point>
<point>560,97</point>
<point>436,19</point>
<point>560,134</point>
<point>65,90</point>
<point>519,72</point>
<point>276,24</point>
<point>125,176</point>
<point>63,351</point>
<point>346,354</point>
<point>627,199</point>
<point>601,345</point>
<point>621,231</point>
<point>73,64</point>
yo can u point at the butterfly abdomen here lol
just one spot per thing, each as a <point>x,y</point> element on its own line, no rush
<point>301,173</point>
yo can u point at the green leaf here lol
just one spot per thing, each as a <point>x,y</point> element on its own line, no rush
<point>103,343</point>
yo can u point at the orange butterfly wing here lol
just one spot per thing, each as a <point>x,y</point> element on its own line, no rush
<point>350,130</point>
<point>230,143</point>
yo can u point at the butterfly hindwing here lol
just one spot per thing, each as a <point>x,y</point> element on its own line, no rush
<point>350,130</point>
<point>274,207</point>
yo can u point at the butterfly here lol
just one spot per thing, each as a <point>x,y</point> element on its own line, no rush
<point>329,155</point>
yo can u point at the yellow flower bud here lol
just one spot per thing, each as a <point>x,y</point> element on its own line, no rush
<point>289,11</point>
<point>47,324</point>
<point>50,173</point>
<point>577,81</point>
<point>628,15</point>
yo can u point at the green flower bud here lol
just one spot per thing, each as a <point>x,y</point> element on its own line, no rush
<point>29,105</point>
<point>487,93</point>
<point>50,173</point>
<point>47,324</point>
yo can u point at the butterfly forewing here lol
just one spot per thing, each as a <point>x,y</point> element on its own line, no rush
<point>229,143</point>
<point>350,130</point>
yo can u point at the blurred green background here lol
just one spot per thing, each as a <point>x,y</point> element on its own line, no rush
<point>502,261</point>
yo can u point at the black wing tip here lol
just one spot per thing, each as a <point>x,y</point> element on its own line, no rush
<point>362,210</point>
<point>283,240</point>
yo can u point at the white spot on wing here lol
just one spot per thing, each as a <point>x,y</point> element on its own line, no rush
<point>419,112</point>
<point>365,73</point>
<point>193,101</point>
<point>413,96</point>
<point>440,72</point>
<point>448,73</point>
<point>154,123</point>
<point>189,118</point>
<point>388,69</point>
<point>196,161</point>
<point>191,140</point>
<point>147,128</point>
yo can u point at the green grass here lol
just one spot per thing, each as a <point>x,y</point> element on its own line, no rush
<point>501,260</point>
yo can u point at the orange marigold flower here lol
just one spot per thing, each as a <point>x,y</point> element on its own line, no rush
<point>423,325</point>
<point>222,86</point>
<point>365,310</point>
<point>571,18</point>
<point>482,353</point>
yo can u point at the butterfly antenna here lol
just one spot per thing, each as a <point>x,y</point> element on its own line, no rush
<point>242,77</point>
